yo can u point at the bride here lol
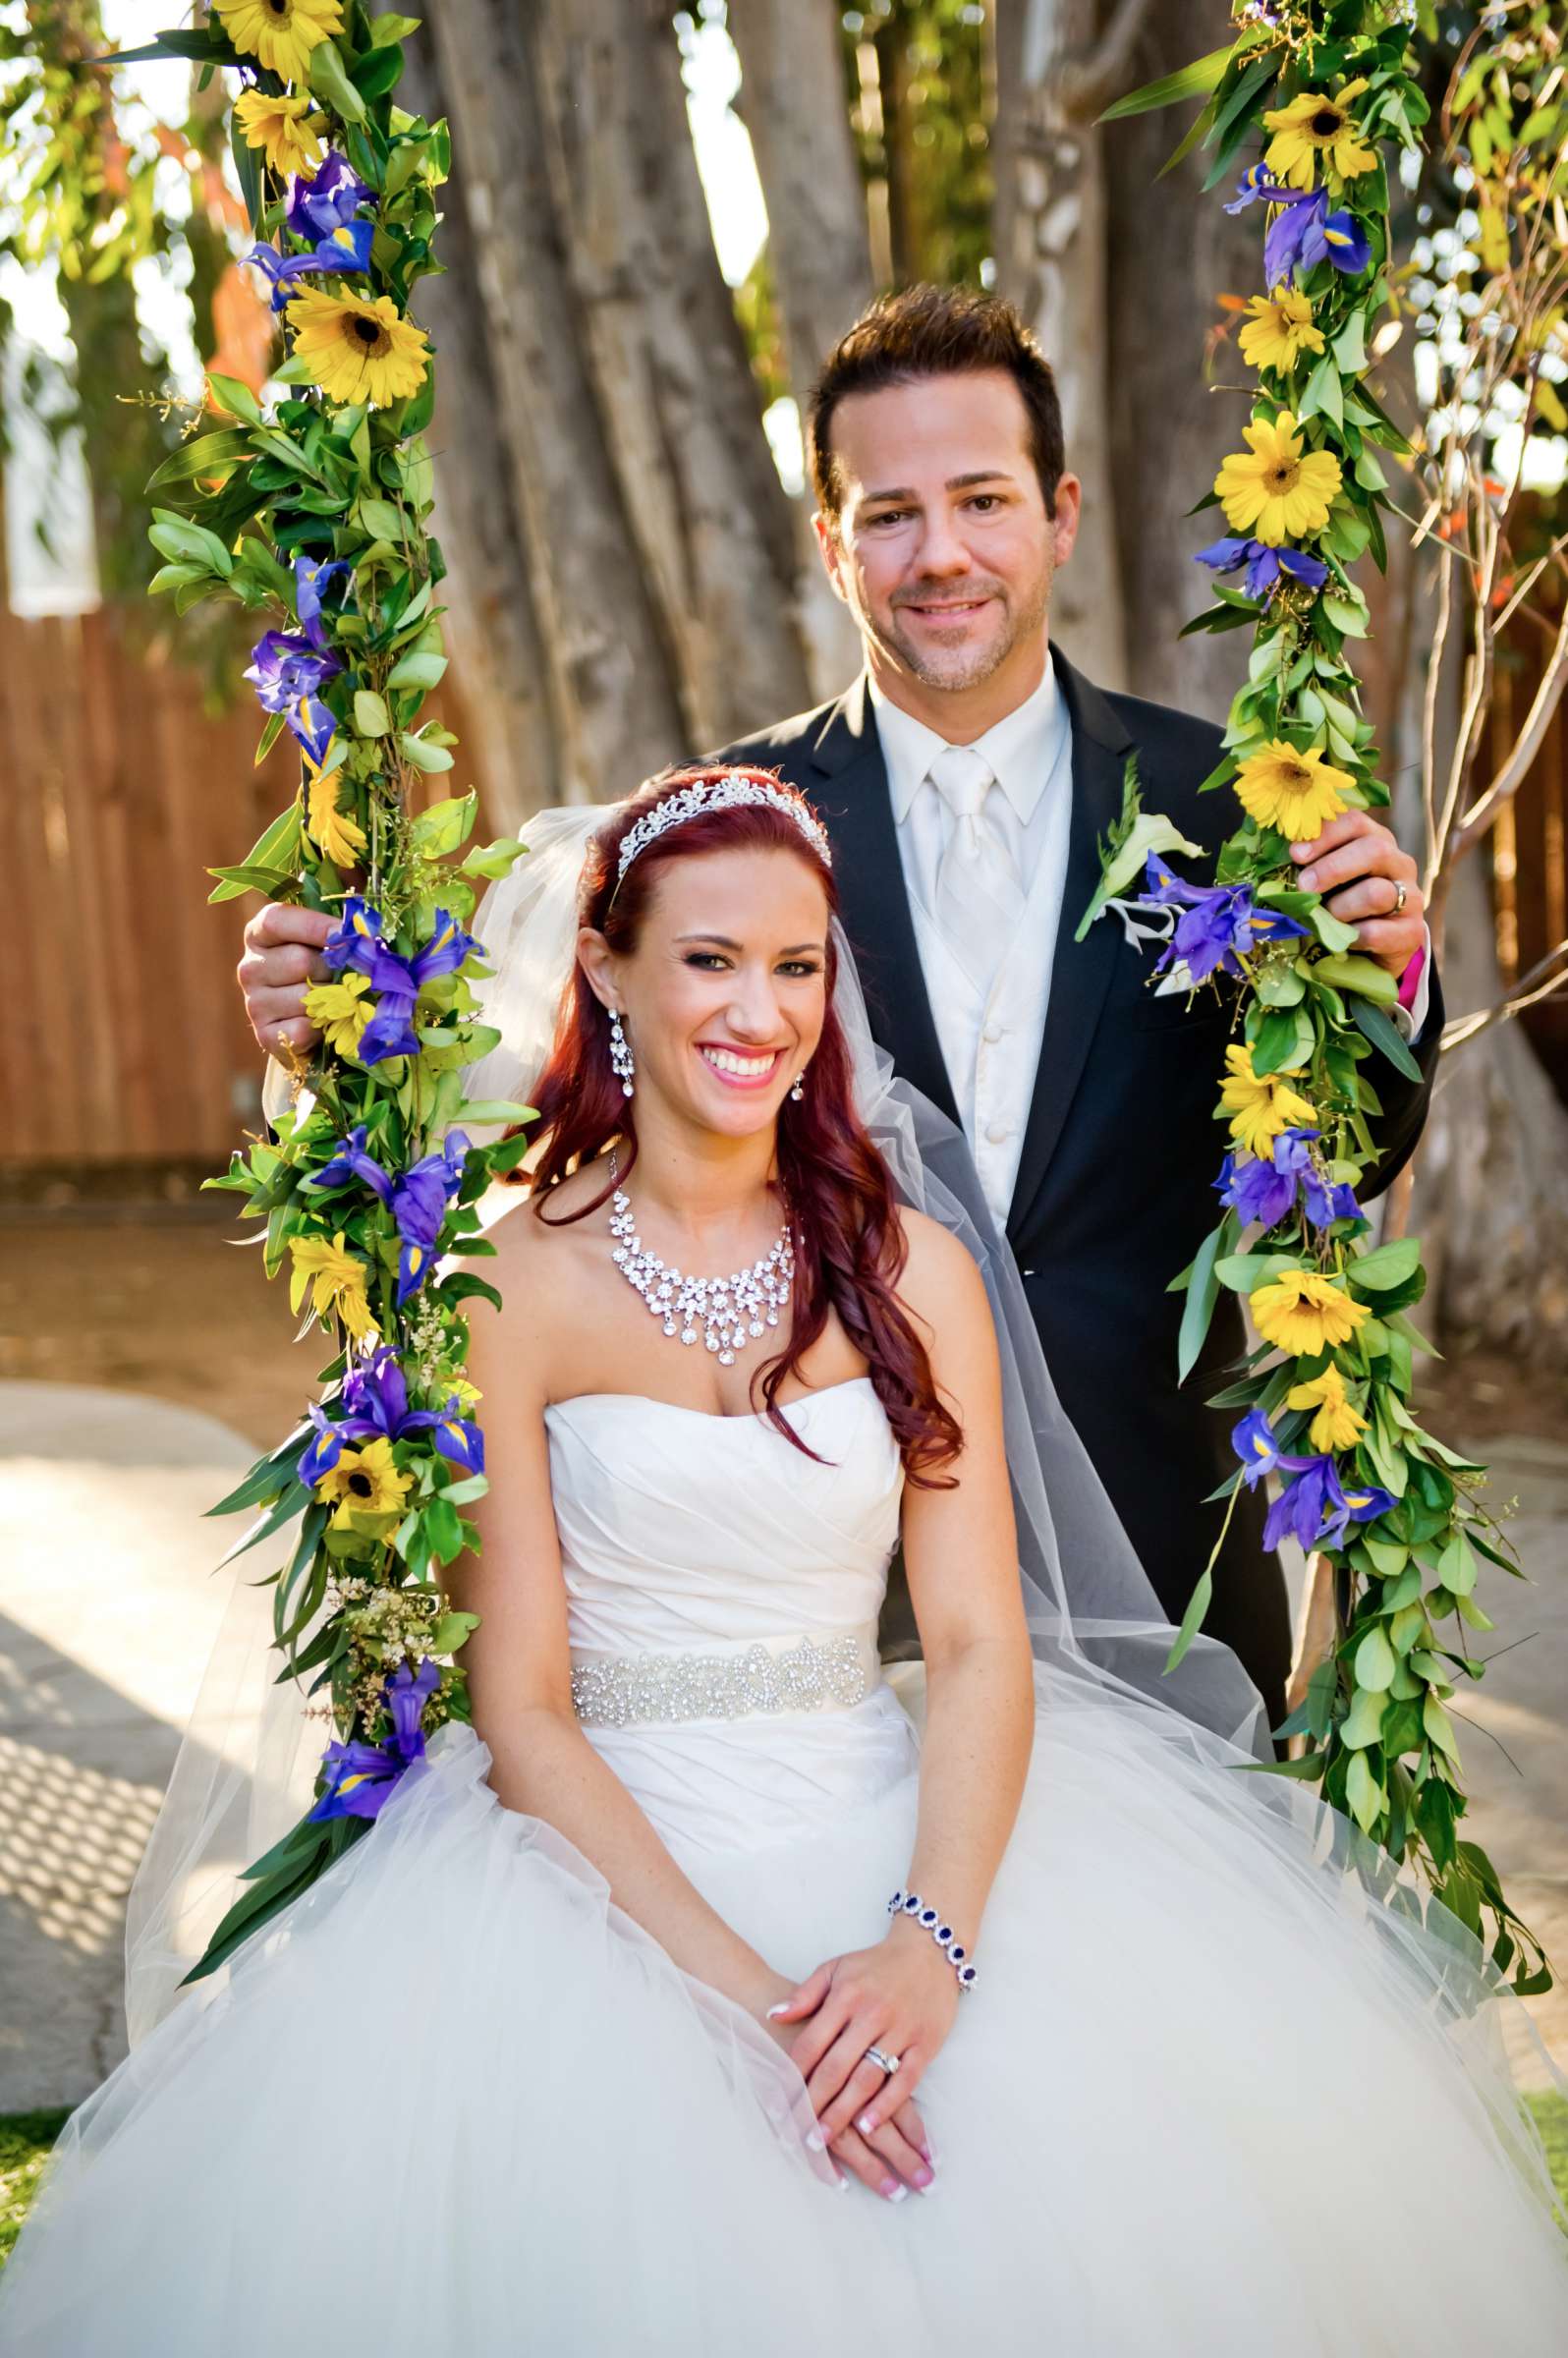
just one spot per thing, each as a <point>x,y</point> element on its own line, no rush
<point>652,1997</point>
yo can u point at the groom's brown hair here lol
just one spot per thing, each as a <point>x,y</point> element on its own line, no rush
<point>935,331</point>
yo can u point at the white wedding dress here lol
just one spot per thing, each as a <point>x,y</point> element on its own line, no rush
<point>1202,2101</point>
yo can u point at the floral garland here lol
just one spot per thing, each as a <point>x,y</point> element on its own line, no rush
<point>1325,1400</point>
<point>316,510</point>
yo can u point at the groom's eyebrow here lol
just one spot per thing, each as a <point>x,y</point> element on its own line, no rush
<point>954,483</point>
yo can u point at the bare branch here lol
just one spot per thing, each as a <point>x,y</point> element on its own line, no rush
<point>1469,1027</point>
<point>1526,746</point>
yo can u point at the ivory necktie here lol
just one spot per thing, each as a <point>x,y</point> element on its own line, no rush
<point>979,897</point>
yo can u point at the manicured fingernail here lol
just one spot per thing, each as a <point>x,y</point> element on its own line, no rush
<point>866,2124</point>
<point>816,2143</point>
<point>923,2180</point>
<point>783,2007</point>
<point>843,2182</point>
<point>895,2192</point>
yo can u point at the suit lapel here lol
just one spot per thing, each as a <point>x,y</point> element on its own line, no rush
<point>856,809</point>
<point>1081,971</point>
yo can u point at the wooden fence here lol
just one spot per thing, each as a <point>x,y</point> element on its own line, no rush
<point>121,1030</point>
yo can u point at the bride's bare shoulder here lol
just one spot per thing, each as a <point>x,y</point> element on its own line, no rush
<point>547,1248</point>
<point>940,1282</point>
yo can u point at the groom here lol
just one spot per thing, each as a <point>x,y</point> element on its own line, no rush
<point>964,781</point>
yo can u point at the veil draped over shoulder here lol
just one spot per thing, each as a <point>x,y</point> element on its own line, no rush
<point>246,1771</point>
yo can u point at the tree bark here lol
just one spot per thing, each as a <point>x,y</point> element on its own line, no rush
<point>711,519</point>
<point>497,653</point>
<point>1171,253</point>
<point>1051,258</point>
<point>794,107</point>
<point>609,673</point>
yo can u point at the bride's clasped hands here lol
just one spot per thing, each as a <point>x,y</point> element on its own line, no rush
<point>897,2000</point>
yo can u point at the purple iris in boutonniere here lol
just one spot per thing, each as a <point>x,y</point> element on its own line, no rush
<point>1266,1188</point>
<point>1314,1506</point>
<point>1304,232</point>
<point>361,1777</point>
<point>1264,564</point>
<point>1218,925</point>
<point>287,673</point>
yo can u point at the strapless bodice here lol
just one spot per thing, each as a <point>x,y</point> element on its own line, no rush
<point>722,1597</point>
<point>681,1530</point>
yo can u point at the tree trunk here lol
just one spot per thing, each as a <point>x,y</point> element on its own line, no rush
<point>1171,253</point>
<point>794,107</point>
<point>493,629</point>
<point>608,674</point>
<point>679,403</point>
<point>1051,261</point>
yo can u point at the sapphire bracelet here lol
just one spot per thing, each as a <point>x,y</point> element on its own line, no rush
<point>909,1903</point>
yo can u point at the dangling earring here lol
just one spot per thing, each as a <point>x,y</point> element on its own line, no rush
<point>620,1053</point>
<point>797,1093</point>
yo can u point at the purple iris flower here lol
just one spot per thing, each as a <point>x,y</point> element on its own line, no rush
<point>1304,232</point>
<point>360,1777</point>
<point>356,939</point>
<point>353,1162</point>
<point>345,254</point>
<point>1316,1506</point>
<point>1218,920</point>
<point>1264,565</point>
<point>286,672</point>
<point>376,1395</point>
<point>1265,1189</point>
<point>420,1199</point>
<point>326,201</point>
<point>457,1437</point>
<point>310,579</point>
<point>1253,1443</point>
<point>398,981</point>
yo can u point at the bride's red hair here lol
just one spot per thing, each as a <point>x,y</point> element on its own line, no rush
<point>849,1241</point>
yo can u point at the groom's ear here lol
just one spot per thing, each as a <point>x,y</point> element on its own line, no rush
<point>829,541</point>
<point>1069,504</point>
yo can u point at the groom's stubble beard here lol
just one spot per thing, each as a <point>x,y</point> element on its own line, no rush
<point>965,667</point>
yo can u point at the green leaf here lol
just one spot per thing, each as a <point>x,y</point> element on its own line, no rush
<point>1202,1292</point>
<point>1362,1792</point>
<point>452,1631</point>
<point>1193,1618</point>
<point>328,77</point>
<point>1375,1662</point>
<point>444,825</point>
<point>381,519</point>
<point>495,859</point>
<point>237,398</point>
<point>496,1109</point>
<point>177,537</point>
<point>1195,80</point>
<point>420,667</point>
<point>1386,1266</point>
<point>422,756</point>
<point>206,455</point>
<point>1374,1024</point>
<point>1244,1272</point>
<point>1457,1567</point>
<point>371,715</point>
<point>1362,1725</point>
<point>384,31</point>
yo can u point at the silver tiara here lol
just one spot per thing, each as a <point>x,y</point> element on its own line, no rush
<point>731,792</point>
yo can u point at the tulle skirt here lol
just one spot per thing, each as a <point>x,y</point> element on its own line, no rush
<point>1206,2100</point>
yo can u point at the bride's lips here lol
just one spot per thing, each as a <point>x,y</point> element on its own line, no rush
<point>741,1069</point>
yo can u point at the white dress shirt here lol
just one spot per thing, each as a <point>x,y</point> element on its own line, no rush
<point>990,1027</point>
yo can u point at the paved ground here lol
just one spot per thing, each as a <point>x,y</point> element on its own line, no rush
<point>107,1603</point>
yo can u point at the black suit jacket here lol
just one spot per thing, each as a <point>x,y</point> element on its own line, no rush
<point>1115,1184</point>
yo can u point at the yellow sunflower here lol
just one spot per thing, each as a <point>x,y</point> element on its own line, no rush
<point>1260,1105</point>
<point>1310,127</point>
<point>336,1279</point>
<point>364,1482</point>
<point>358,349</point>
<point>1304,1313</point>
<point>1294,792</point>
<point>1277,491</point>
<point>288,130</point>
<point>341,837</point>
<point>281,32</point>
<point>1279,331</point>
<point>341,1010</point>
<point>1337,1425</point>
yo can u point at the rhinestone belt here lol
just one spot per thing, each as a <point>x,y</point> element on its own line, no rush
<point>801,1674</point>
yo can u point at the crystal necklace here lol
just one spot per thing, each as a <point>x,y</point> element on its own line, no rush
<point>730,1312</point>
